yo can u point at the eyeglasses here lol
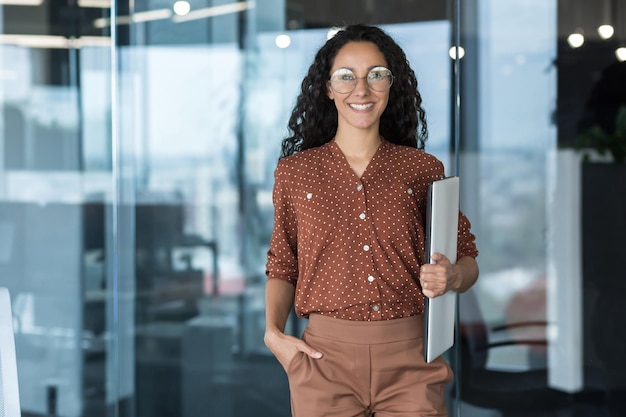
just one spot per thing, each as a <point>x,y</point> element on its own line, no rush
<point>379,79</point>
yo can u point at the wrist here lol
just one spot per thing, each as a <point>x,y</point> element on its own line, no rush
<point>272,332</point>
<point>458,282</point>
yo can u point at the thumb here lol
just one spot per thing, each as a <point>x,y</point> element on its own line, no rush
<point>310,351</point>
<point>438,257</point>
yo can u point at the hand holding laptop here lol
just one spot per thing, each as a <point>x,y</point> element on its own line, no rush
<point>438,277</point>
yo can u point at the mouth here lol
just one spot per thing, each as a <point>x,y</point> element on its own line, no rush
<point>361,107</point>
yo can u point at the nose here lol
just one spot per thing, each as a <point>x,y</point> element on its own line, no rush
<point>362,87</point>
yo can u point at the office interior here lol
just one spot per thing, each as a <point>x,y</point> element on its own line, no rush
<point>137,146</point>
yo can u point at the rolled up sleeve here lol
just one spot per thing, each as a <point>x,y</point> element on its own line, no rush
<point>282,256</point>
<point>466,241</point>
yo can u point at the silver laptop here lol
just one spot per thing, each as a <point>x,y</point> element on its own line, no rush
<point>442,222</point>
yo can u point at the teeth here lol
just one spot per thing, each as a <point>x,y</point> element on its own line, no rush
<point>361,106</point>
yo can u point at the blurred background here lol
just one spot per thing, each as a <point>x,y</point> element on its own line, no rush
<point>138,141</point>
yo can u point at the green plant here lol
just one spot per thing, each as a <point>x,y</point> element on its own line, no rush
<point>604,142</point>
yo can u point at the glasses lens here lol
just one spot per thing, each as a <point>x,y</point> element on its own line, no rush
<point>379,79</point>
<point>343,80</point>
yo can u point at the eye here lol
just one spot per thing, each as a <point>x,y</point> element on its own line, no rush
<point>378,73</point>
<point>343,74</point>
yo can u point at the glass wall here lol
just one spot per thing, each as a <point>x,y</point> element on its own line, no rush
<point>137,148</point>
<point>539,331</point>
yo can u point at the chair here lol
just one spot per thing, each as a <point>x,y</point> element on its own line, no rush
<point>512,393</point>
<point>9,393</point>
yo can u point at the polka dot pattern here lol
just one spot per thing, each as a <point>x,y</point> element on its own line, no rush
<point>353,246</point>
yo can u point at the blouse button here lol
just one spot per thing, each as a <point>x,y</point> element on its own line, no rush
<point>366,247</point>
<point>362,216</point>
<point>376,307</point>
<point>371,278</point>
<point>409,191</point>
<point>309,196</point>
<point>359,188</point>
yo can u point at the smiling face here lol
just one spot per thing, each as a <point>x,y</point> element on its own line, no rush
<point>362,107</point>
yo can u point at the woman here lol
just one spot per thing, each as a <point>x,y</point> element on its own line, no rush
<point>348,241</point>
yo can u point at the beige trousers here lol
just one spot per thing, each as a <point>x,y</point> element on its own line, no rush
<point>368,369</point>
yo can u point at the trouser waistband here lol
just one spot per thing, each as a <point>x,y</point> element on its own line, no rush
<point>366,332</point>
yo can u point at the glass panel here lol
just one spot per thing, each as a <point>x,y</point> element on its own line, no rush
<point>54,181</point>
<point>508,96</point>
<point>535,330</point>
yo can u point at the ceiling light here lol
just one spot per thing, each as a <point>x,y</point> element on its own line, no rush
<point>54,42</point>
<point>576,40</point>
<point>36,41</point>
<point>215,11</point>
<point>606,31</point>
<point>620,53</point>
<point>151,15</point>
<point>181,7</point>
<point>452,52</point>
<point>21,2</point>
<point>98,4</point>
<point>147,16</point>
<point>283,41</point>
<point>84,41</point>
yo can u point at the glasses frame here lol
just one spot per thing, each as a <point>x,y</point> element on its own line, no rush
<point>356,79</point>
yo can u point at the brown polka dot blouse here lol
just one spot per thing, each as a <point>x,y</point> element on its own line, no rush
<point>353,246</point>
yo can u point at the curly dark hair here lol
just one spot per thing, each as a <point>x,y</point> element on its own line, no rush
<point>313,121</point>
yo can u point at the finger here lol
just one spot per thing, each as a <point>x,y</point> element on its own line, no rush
<point>432,293</point>
<point>435,294</point>
<point>439,258</point>
<point>429,269</point>
<point>436,273</point>
<point>305,348</point>
<point>433,287</point>
<point>429,287</point>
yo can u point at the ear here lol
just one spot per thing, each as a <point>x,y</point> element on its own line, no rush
<point>329,92</point>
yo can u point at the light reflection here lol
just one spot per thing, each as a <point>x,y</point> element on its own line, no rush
<point>332,32</point>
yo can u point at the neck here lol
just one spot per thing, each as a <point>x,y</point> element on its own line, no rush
<point>359,144</point>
